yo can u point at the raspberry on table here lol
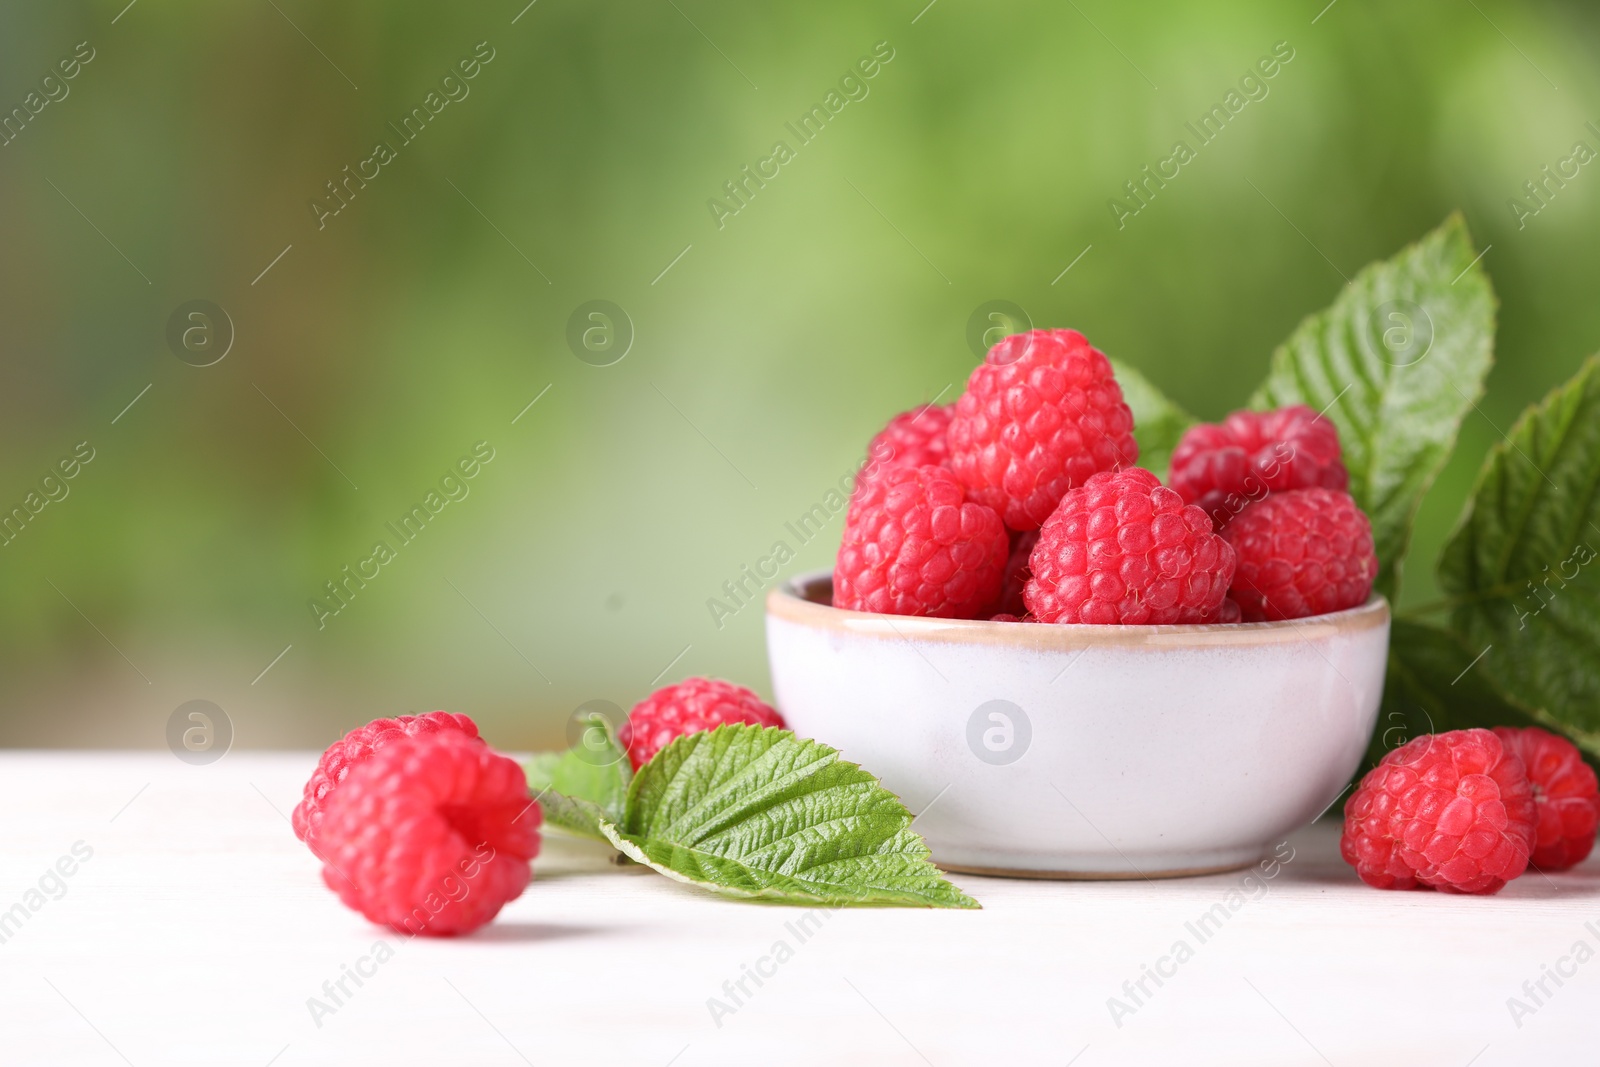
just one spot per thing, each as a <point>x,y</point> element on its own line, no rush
<point>688,707</point>
<point>1123,548</point>
<point>1301,552</point>
<point>915,545</point>
<point>431,834</point>
<point>1565,795</point>
<point>1451,811</point>
<point>1224,466</point>
<point>1042,414</point>
<point>353,749</point>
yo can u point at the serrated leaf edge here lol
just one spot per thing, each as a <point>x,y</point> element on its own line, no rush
<point>872,896</point>
<point>1577,383</point>
<point>1453,228</point>
<point>828,756</point>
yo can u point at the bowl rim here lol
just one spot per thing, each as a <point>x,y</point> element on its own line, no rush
<point>796,600</point>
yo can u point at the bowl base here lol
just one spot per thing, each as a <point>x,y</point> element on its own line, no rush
<point>1092,876</point>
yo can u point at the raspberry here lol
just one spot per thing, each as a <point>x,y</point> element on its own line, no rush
<point>1564,795</point>
<point>1041,414</point>
<point>692,705</point>
<point>914,545</point>
<point>1453,811</point>
<point>1224,466</point>
<point>431,834</point>
<point>913,438</point>
<point>1016,575</point>
<point>1301,552</point>
<point>355,748</point>
<point>1123,548</point>
<point>1007,617</point>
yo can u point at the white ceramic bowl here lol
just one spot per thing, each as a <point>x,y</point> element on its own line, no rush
<point>1086,751</point>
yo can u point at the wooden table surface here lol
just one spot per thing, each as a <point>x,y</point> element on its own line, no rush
<point>197,931</point>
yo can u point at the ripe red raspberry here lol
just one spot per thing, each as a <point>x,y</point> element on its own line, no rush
<point>1453,811</point>
<point>690,706</point>
<point>913,438</point>
<point>1123,548</point>
<point>1041,414</point>
<point>1565,796</point>
<point>432,834</point>
<point>350,751</point>
<point>914,545</point>
<point>1007,617</point>
<point>1224,466</point>
<point>1301,552</point>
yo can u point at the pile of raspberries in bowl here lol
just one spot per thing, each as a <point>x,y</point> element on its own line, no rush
<point>1023,502</point>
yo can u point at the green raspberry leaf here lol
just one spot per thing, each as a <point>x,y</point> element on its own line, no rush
<point>1158,423</point>
<point>572,815</point>
<point>595,771</point>
<point>1396,362</point>
<point>1520,563</point>
<point>1434,684</point>
<point>755,812</point>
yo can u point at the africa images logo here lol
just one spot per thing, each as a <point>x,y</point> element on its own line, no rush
<point>453,86</point>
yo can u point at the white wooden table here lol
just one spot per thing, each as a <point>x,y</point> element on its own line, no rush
<point>198,930</point>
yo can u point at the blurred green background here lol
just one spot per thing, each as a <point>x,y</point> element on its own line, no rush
<point>427,314</point>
